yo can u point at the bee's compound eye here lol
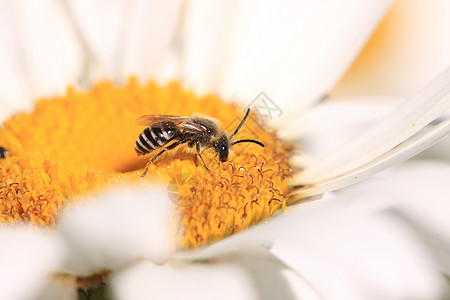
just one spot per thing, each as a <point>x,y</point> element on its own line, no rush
<point>223,153</point>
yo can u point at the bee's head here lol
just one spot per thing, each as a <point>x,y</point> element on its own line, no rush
<point>222,146</point>
<point>223,143</point>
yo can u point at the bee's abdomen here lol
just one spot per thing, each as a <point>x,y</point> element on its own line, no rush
<point>154,137</point>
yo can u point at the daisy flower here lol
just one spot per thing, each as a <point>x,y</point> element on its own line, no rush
<point>246,228</point>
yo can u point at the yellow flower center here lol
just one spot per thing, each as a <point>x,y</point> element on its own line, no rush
<point>85,140</point>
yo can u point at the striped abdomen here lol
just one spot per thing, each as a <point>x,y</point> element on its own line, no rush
<point>154,137</point>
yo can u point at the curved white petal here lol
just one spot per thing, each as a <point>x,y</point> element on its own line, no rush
<point>406,51</point>
<point>406,120</point>
<point>150,39</point>
<point>27,260</point>
<point>438,151</point>
<point>210,39</point>
<point>331,123</point>
<point>288,50</point>
<point>14,89</point>
<point>296,51</point>
<point>246,273</point>
<point>48,48</point>
<point>180,281</point>
<point>60,287</point>
<point>101,28</point>
<point>127,37</point>
<point>297,220</point>
<point>122,225</point>
<point>39,54</point>
<point>420,190</point>
<point>427,137</point>
<point>272,278</point>
<point>343,250</point>
<point>373,258</point>
<point>14,93</point>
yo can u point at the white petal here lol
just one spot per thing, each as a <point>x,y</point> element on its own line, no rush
<point>374,258</point>
<point>102,28</point>
<point>240,274</point>
<point>330,123</point>
<point>332,241</point>
<point>14,88</point>
<point>409,47</point>
<point>300,218</point>
<point>438,151</point>
<point>124,224</point>
<point>405,121</point>
<point>182,281</point>
<point>150,38</point>
<point>296,51</point>
<point>427,137</point>
<point>60,288</point>
<point>421,187</point>
<point>49,49</point>
<point>127,37</point>
<point>27,259</point>
<point>14,93</point>
<point>420,191</point>
<point>271,277</point>
<point>211,37</point>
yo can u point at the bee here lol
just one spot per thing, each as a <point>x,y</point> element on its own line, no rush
<point>3,152</point>
<point>199,132</point>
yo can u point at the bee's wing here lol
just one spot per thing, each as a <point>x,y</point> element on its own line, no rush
<point>184,124</point>
<point>149,120</point>
<point>192,127</point>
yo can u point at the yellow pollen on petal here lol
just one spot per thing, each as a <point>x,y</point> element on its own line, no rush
<point>84,141</point>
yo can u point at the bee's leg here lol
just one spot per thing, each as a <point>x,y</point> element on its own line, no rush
<point>171,146</point>
<point>198,152</point>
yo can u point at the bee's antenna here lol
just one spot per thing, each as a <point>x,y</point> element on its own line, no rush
<point>239,127</point>
<point>242,122</point>
<point>248,141</point>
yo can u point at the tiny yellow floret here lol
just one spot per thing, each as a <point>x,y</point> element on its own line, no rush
<point>84,141</point>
